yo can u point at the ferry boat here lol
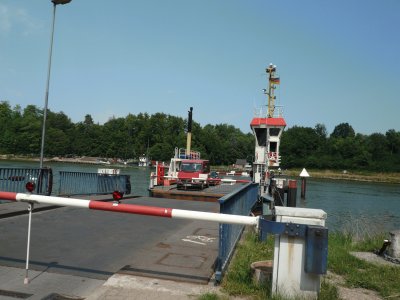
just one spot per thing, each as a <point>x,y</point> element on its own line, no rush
<point>188,173</point>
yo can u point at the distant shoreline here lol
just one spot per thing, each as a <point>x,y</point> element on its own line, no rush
<point>75,160</point>
<point>380,177</point>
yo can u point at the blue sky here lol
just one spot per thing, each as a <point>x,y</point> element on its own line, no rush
<point>338,60</point>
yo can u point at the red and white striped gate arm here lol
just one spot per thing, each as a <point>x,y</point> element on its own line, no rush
<point>131,208</point>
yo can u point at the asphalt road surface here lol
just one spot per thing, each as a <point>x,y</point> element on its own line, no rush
<point>94,245</point>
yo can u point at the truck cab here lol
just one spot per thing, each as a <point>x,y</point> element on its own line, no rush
<point>193,174</point>
<point>192,168</point>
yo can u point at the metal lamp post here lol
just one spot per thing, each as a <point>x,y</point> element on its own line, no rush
<point>55,3</point>
<point>31,204</point>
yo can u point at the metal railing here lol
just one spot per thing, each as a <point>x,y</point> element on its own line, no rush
<point>262,112</point>
<point>239,202</point>
<point>15,180</point>
<point>82,183</point>
<point>191,155</point>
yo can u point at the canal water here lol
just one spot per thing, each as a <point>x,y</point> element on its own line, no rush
<point>358,207</point>
<point>355,206</point>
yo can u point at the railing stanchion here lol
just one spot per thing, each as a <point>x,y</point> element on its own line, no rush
<point>30,209</point>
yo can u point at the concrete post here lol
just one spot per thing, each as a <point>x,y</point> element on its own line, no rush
<point>394,248</point>
<point>303,175</point>
<point>289,276</point>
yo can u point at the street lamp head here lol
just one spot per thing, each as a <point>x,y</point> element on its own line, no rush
<point>61,1</point>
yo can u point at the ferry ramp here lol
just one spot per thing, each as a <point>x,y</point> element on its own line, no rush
<point>97,244</point>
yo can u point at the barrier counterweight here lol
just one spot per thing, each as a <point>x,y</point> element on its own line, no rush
<point>131,208</point>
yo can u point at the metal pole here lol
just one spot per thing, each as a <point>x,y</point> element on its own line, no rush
<point>292,193</point>
<point>30,209</point>
<point>46,99</point>
<point>303,187</point>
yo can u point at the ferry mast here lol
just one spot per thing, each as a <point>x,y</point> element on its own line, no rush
<point>267,127</point>
<point>273,80</point>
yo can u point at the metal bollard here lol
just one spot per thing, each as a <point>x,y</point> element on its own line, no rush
<point>292,193</point>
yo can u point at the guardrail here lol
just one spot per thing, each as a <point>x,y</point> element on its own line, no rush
<point>239,202</point>
<point>82,183</point>
<point>15,180</point>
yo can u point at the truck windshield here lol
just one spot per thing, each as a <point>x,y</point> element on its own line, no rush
<point>191,167</point>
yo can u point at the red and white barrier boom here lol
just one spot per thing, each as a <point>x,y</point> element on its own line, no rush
<point>131,208</point>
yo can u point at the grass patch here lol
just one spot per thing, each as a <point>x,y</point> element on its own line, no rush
<point>328,291</point>
<point>359,273</point>
<point>212,296</point>
<point>385,280</point>
<point>238,281</point>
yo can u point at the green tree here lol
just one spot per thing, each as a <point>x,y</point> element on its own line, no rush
<point>298,146</point>
<point>393,141</point>
<point>343,130</point>
<point>5,127</point>
<point>28,130</point>
<point>86,139</point>
<point>320,130</point>
<point>58,134</point>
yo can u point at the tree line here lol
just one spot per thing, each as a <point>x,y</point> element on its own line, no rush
<point>130,137</point>
<point>342,149</point>
<point>157,135</point>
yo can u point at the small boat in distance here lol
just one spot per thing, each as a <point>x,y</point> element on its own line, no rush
<point>143,161</point>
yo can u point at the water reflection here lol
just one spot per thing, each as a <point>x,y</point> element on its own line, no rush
<point>375,205</point>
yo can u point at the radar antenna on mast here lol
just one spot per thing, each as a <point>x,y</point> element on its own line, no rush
<point>273,81</point>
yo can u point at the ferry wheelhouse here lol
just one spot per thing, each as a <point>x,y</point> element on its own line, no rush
<point>267,126</point>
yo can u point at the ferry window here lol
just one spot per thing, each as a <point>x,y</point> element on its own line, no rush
<point>187,167</point>
<point>272,147</point>
<point>274,131</point>
<point>191,167</point>
<point>261,134</point>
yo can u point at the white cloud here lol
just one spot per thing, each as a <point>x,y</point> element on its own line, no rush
<point>18,19</point>
<point>5,23</point>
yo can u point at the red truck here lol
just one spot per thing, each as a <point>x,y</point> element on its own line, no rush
<point>193,174</point>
